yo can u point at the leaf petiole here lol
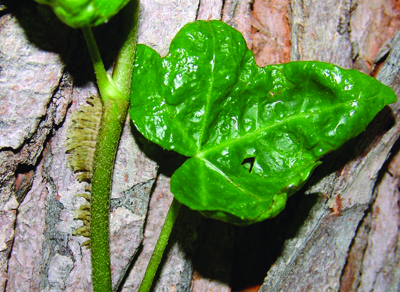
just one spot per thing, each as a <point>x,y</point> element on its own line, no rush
<point>162,242</point>
<point>106,88</point>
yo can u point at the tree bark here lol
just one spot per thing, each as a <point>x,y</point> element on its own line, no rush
<point>339,233</point>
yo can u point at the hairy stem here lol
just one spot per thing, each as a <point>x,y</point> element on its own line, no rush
<point>123,68</point>
<point>160,246</point>
<point>114,114</point>
<point>115,107</point>
<point>115,98</point>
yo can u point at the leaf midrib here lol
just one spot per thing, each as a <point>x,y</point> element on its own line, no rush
<point>202,154</point>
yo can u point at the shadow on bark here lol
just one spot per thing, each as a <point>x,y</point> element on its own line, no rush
<point>168,161</point>
<point>238,256</point>
<point>48,33</point>
<point>242,256</point>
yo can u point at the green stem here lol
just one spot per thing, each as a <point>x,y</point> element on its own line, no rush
<point>103,83</point>
<point>123,68</point>
<point>114,115</point>
<point>160,246</point>
<point>115,98</point>
<point>115,107</point>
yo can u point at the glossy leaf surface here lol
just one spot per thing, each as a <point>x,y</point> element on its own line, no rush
<point>253,135</point>
<point>80,13</point>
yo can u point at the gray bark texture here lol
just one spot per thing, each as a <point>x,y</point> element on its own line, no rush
<point>339,233</point>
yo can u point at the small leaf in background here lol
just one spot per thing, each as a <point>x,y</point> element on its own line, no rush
<point>80,13</point>
<point>253,135</point>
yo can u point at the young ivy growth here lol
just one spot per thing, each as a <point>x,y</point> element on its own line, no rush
<point>208,100</point>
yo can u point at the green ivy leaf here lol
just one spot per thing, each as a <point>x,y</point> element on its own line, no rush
<point>253,135</point>
<point>80,13</point>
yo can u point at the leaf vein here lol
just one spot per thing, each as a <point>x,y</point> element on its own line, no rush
<point>257,132</point>
<point>215,168</point>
